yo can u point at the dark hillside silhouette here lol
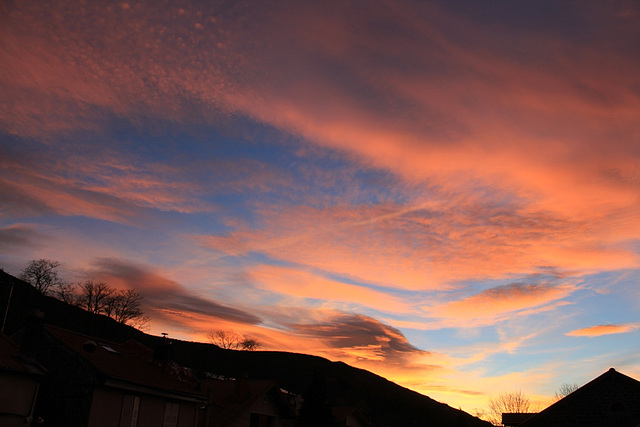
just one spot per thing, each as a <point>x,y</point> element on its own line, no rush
<point>381,401</point>
<point>25,298</point>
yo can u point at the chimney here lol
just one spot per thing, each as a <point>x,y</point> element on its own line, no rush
<point>162,353</point>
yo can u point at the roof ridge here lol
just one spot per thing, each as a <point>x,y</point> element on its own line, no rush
<point>80,334</point>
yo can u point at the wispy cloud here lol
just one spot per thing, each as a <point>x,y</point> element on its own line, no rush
<point>427,245</point>
<point>491,305</point>
<point>299,284</point>
<point>101,185</point>
<point>598,330</point>
<point>166,295</point>
<point>477,122</point>
<point>18,236</point>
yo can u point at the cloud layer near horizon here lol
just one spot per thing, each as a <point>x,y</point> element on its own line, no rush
<point>414,176</point>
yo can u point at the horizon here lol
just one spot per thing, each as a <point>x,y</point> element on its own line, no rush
<point>445,194</point>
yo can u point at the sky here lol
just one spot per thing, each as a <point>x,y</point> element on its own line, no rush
<point>445,193</point>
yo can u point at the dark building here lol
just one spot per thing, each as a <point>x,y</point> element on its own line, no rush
<point>247,403</point>
<point>513,419</point>
<point>94,382</point>
<point>610,400</point>
<point>20,378</point>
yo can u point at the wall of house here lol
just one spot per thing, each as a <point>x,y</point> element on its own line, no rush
<point>265,405</point>
<point>188,416</point>
<point>106,407</point>
<point>156,411</point>
<point>107,410</point>
<point>17,394</point>
<point>151,411</point>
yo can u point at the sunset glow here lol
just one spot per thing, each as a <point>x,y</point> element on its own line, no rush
<point>444,193</point>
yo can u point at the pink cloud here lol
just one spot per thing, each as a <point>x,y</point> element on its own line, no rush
<point>102,185</point>
<point>500,128</point>
<point>31,194</point>
<point>556,134</point>
<point>542,135</point>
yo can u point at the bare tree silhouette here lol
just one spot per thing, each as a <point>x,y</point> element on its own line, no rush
<point>514,402</point>
<point>232,340</point>
<point>564,390</point>
<point>42,274</point>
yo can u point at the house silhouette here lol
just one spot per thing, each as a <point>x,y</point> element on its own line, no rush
<point>610,400</point>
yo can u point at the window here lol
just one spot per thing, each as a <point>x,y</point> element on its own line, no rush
<point>171,414</point>
<point>109,349</point>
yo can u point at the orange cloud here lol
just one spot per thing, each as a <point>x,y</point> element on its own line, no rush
<point>484,116</point>
<point>555,138</point>
<point>539,136</point>
<point>302,285</point>
<point>596,331</point>
<point>503,302</point>
<point>166,296</point>
<point>426,245</point>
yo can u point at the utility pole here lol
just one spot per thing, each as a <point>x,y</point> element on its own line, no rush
<point>6,311</point>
